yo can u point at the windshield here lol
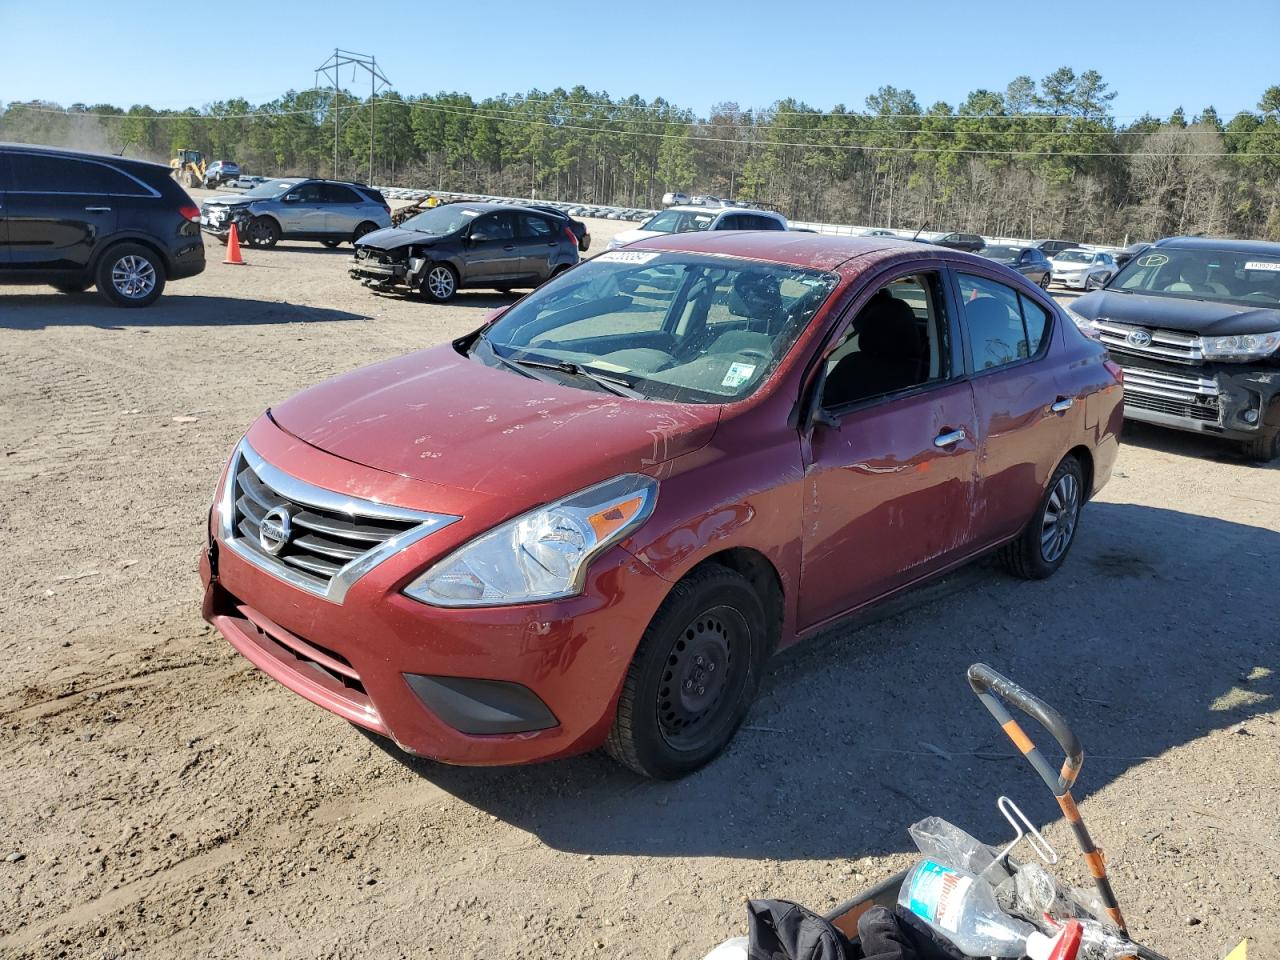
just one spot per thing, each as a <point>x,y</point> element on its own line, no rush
<point>1003,254</point>
<point>679,221</point>
<point>443,220</point>
<point>1203,275</point>
<point>1074,256</point>
<point>271,189</point>
<point>670,326</point>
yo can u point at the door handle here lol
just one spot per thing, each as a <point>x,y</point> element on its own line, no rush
<point>97,209</point>
<point>1062,404</point>
<point>509,246</point>
<point>944,440</point>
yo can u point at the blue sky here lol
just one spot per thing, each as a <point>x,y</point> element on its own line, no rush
<point>1156,56</point>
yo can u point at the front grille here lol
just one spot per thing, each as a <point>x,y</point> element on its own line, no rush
<point>1172,386</point>
<point>317,539</point>
<point>1165,344</point>
<point>325,542</point>
<point>1208,412</point>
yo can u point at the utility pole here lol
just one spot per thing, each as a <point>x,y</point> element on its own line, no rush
<point>377,80</point>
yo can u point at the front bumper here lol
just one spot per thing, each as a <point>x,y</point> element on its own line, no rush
<point>1225,400</point>
<point>554,670</point>
<point>1073,281</point>
<point>376,271</point>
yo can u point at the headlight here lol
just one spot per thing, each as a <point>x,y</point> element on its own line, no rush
<point>542,555</point>
<point>1084,324</point>
<point>1245,346</point>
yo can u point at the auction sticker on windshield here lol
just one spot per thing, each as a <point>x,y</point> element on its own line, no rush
<point>626,256</point>
<point>1153,260</point>
<point>739,373</point>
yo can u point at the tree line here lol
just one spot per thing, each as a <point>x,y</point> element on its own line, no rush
<point>1036,159</point>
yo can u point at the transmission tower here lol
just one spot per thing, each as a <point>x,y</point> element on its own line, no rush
<point>331,69</point>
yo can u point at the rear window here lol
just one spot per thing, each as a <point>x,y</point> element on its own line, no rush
<point>374,195</point>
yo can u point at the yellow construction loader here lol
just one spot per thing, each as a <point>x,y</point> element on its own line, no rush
<point>188,168</point>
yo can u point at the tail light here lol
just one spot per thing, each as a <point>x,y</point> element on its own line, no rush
<point>572,237</point>
<point>190,211</point>
<point>387,208</point>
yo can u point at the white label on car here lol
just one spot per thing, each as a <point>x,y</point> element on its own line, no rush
<point>626,256</point>
<point>606,365</point>
<point>1273,265</point>
<point>1153,260</point>
<point>739,373</point>
<point>472,213</point>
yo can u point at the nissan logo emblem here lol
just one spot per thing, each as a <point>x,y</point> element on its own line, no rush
<point>1139,338</point>
<point>275,530</point>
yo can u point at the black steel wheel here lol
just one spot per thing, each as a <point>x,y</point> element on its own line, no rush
<point>693,676</point>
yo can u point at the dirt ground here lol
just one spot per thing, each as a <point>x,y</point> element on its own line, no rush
<point>161,798</point>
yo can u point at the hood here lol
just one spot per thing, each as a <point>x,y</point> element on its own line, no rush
<point>446,419</point>
<point>631,236</point>
<point>392,238</point>
<point>1206,317</point>
<point>230,200</point>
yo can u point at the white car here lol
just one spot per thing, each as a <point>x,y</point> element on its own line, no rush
<point>694,219</point>
<point>1082,269</point>
<point>674,199</point>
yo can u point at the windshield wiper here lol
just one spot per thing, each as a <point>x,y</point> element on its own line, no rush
<point>616,387</point>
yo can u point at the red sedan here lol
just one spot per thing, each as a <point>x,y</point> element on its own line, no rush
<point>590,522</point>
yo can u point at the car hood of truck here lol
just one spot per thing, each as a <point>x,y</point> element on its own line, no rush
<point>1209,318</point>
<point>447,419</point>
<point>393,238</point>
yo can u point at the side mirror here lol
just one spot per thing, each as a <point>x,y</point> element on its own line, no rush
<point>820,416</point>
<point>292,198</point>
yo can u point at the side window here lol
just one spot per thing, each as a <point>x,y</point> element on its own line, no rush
<point>896,342</point>
<point>309,192</point>
<point>494,226</point>
<point>535,228</point>
<point>43,174</point>
<point>994,318</point>
<point>731,221</point>
<point>336,193</point>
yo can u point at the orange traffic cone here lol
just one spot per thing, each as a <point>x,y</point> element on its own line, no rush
<point>233,248</point>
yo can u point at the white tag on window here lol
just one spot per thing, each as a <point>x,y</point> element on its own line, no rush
<point>626,256</point>
<point>1263,265</point>
<point>739,373</point>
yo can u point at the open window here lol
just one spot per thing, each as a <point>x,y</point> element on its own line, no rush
<point>897,342</point>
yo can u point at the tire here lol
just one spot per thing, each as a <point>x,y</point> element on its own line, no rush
<point>675,713</point>
<point>364,228</point>
<point>130,275</point>
<point>1044,282</point>
<point>1042,547</point>
<point>262,232</point>
<point>440,283</point>
<point>331,244</point>
<point>72,286</point>
<point>1265,447</point>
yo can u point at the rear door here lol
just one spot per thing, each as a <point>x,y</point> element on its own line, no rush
<point>342,210</point>
<point>61,209</point>
<point>537,241</point>
<point>1024,417</point>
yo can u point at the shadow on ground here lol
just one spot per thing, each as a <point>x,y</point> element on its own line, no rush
<point>1183,443</point>
<point>1149,637</point>
<point>88,309</point>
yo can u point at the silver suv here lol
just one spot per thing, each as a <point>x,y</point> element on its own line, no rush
<point>330,211</point>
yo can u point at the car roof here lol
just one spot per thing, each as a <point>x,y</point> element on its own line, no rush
<point>1221,244</point>
<point>81,154</point>
<point>716,210</point>
<point>815,251</point>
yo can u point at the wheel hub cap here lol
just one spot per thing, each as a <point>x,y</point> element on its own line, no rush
<point>440,282</point>
<point>1060,516</point>
<point>133,277</point>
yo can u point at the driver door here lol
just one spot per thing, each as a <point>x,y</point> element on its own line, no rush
<point>491,248</point>
<point>891,461</point>
<point>303,210</point>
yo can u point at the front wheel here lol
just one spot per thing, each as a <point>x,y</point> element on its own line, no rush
<point>262,232</point>
<point>1042,547</point>
<point>331,244</point>
<point>1265,447</point>
<point>693,676</point>
<point>75,286</point>
<point>1044,281</point>
<point>440,283</point>
<point>130,275</point>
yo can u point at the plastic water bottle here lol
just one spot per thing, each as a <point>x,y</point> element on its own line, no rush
<point>962,909</point>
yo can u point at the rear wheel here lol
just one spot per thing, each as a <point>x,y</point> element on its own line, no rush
<point>76,286</point>
<point>130,275</point>
<point>331,243</point>
<point>1042,547</point>
<point>693,676</point>
<point>1044,281</point>
<point>364,228</point>
<point>440,283</point>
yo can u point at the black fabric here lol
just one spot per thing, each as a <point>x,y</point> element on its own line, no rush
<point>782,930</point>
<point>885,934</point>
<point>888,356</point>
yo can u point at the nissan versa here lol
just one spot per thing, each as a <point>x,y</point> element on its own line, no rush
<point>591,521</point>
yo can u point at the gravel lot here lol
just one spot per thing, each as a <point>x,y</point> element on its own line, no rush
<point>160,798</point>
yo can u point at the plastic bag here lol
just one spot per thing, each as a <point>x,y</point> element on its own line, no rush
<point>948,844</point>
<point>1033,892</point>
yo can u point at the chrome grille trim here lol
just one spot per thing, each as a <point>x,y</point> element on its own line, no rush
<point>1175,386</point>
<point>253,486</point>
<point>1166,344</point>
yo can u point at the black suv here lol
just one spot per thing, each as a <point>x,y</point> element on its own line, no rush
<point>1195,322</point>
<point>73,220</point>
<point>962,241</point>
<point>501,246</point>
